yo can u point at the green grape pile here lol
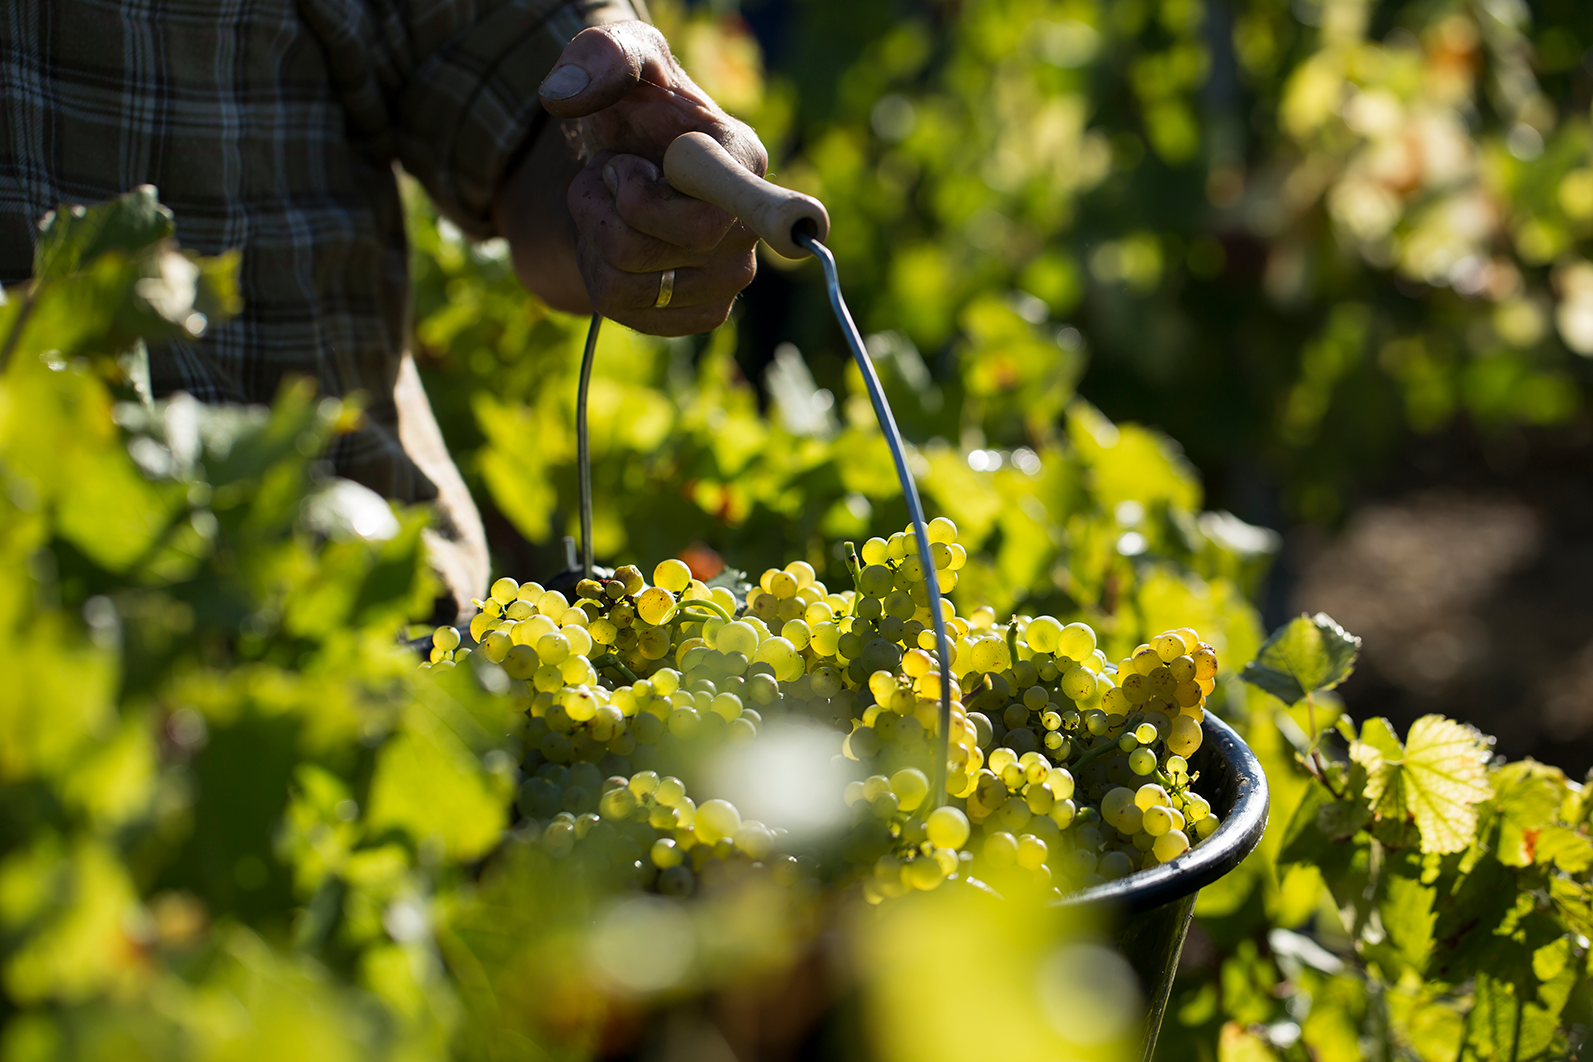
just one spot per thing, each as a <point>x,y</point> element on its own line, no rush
<point>1063,770</point>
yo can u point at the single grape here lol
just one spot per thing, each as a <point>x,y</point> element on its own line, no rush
<point>911,786</point>
<point>1076,641</point>
<point>924,873</point>
<point>1170,845</point>
<point>1183,736</point>
<point>1151,795</point>
<point>673,575</point>
<point>1001,849</point>
<point>947,827</point>
<point>1032,852</point>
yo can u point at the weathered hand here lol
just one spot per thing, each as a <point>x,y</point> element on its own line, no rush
<point>631,101</point>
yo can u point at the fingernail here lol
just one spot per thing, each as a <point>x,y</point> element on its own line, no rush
<point>566,81</point>
<point>611,179</point>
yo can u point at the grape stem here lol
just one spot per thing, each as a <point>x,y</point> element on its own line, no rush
<point>1093,754</point>
<point>1313,759</point>
<point>854,567</point>
<point>610,660</point>
<point>683,608</point>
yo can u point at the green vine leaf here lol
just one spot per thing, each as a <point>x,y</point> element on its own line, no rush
<point>1438,777</point>
<point>1307,654</point>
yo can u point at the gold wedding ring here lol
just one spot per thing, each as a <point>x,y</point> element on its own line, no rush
<point>666,289</point>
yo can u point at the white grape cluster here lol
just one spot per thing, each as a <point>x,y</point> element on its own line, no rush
<point>1063,769</point>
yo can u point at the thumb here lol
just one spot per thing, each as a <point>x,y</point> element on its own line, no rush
<point>601,66</point>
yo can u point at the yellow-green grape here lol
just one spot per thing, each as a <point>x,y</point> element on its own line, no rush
<point>1014,813</point>
<point>653,643</point>
<point>1076,641</point>
<point>439,654</point>
<point>876,580</point>
<point>781,654</point>
<point>738,637</point>
<point>797,632</point>
<point>1169,646</point>
<point>683,721</point>
<point>617,803</point>
<point>553,648</point>
<point>446,637</point>
<point>666,853</point>
<point>1183,736</point>
<point>1063,812</point>
<point>727,706</point>
<point>495,645</point>
<point>1114,865</point>
<point>882,684</point>
<point>1129,819</point>
<point>1043,634</point>
<point>1001,849</point>
<point>480,624</point>
<point>990,654</point>
<point>824,639</point>
<point>1151,795</point>
<point>754,838</point>
<point>782,584</point>
<point>924,873</point>
<point>672,575</point>
<point>942,529</point>
<point>911,786</point>
<point>1134,687</point>
<point>1142,761</point>
<point>553,604</point>
<point>875,551</point>
<point>947,827</point>
<point>1078,683</point>
<point>1051,721</point>
<point>1197,807</point>
<point>1095,721</point>
<point>822,612</point>
<point>1205,663</point>
<point>578,704</point>
<point>520,662</point>
<point>1207,826</point>
<point>1032,852</point>
<point>716,819</point>
<point>653,604</point>
<point>1177,765</point>
<point>1039,798</point>
<point>643,783</point>
<point>519,610</point>
<point>853,792</point>
<point>1115,800</point>
<point>530,631</point>
<point>802,571</point>
<point>504,590</point>
<point>1157,820</point>
<point>1170,845</point>
<point>1145,733</point>
<point>579,638</point>
<point>670,791</point>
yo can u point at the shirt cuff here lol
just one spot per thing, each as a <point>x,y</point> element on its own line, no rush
<point>472,105</point>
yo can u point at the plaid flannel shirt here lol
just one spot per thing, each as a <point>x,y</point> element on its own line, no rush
<point>274,126</point>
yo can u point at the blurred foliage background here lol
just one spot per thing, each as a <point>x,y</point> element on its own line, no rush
<point>1291,237</point>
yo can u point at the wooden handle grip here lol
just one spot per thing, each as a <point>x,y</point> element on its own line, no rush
<point>697,165</point>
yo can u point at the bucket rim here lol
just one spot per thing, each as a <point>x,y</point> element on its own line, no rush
<point>1238,835</point>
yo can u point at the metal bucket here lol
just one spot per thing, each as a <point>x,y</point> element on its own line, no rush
<point>1152,909</point>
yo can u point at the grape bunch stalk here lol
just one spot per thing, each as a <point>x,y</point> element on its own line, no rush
<point>1063,769</point>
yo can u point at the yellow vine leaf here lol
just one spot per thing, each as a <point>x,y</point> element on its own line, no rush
<point>1438,777</point>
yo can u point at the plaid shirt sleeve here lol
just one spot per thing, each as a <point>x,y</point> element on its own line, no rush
<point>449,87</point>
<point>273,126</point>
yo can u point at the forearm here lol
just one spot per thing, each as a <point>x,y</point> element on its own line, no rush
<point>531,211</point>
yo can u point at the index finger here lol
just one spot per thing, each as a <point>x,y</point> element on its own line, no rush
<point>645,201</point>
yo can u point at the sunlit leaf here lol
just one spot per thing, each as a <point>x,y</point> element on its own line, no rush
<point>1307,654</point>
